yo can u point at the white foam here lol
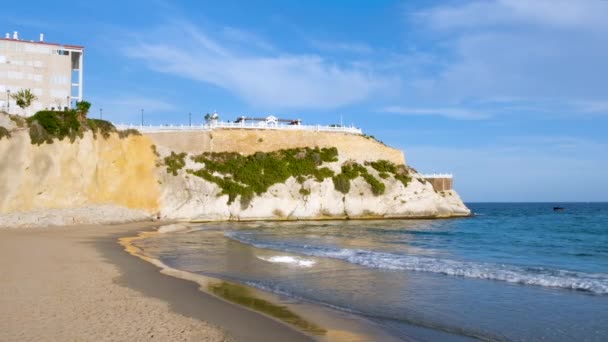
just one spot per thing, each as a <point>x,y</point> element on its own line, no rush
<point>527,275</point>
<point>287,259</point>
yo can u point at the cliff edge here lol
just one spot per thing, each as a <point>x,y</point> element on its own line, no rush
<point>217,175</point>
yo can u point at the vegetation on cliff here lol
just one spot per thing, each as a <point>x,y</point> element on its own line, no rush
<point>352,170</point>
<point>248,176</point>
<point>385,167</point>
<point>4,133</point>
<point>46,126</point>
<point>174,162</point>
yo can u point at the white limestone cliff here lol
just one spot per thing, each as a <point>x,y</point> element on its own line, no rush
<point>53,180</point>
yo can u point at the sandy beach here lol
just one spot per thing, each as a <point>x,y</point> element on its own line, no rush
<point>78,284</point>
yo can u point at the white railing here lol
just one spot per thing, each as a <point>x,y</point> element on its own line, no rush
<point>240,125</point>
<point>437,175</point>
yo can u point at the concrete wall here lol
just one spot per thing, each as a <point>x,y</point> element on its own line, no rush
<point>441,184</point>
<point>247,141</point>
<point>36,66</point>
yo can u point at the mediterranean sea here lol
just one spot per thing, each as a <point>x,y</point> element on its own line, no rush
<point>512,272</point>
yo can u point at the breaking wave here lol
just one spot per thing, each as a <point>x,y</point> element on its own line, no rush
<point>527,275</point>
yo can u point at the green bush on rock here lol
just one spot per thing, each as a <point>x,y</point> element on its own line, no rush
<point>246,176</point>
<point>46,126</point>
<point>4,133</point>
<point>175,162</point>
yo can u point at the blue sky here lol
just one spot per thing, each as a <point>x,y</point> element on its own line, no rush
<point>509,95</point>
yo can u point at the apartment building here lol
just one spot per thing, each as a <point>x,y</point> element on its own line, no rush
<point>53,72</point>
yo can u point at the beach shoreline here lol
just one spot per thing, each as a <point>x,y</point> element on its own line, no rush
<point>78,283</point>
<point>313,319</point>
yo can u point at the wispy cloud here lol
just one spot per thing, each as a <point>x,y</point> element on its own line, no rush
<point>538,52</point>
<point>452,113</point>
<point>270,79</point>
<point>561,14</point>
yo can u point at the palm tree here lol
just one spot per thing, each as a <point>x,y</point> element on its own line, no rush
<point>24,98</point>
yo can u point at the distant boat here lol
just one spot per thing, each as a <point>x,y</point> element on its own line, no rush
<point>558,209</point>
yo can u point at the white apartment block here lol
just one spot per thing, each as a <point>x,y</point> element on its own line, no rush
<point>53,72</point>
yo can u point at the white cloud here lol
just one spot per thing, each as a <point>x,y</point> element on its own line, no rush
<point>452,113</point>
<point>561,14</point>
<point>538,52</point>
<point>270,80</point>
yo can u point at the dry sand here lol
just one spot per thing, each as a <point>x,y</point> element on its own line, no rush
<point>77,284</point>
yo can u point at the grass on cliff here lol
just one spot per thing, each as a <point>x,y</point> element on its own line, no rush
<point>4,133</point>
<point>247,176</point>
<point>174,162</point>
<point>353,170</point>
<point>386,168</point>
<point>46,126</point>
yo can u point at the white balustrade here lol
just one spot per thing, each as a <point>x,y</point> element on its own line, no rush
<point>437,175</point>
<point>240,125</point>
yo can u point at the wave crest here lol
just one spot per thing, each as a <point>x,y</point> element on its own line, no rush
<point>540,276</point>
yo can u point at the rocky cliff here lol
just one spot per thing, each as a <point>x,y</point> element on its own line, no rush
<point>139,172</point>
<point>88,171</point>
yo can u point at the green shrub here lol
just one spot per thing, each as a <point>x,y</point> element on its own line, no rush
<point>39,136</point>
<point>383,166</point>
<point>4,133</point>
<point>175,162</point>
<point>383,175</point>
<point>247,176</point>
<point>19,121</point>
<point>377,186</point>
<point>322,173</point>
<point>128,132</point>
<point>404,178</point>
<point>329,155</point>
<point>342,183</point>
<point>105,128</point>
<point>351,170</point>
<point>46,125</point>
<point>304,192</point>
<point>371,137</point>
<point>153,147</point>
<point>57,125</point>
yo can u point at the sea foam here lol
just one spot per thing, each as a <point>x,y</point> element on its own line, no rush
<point>527,275</point>
<point>287,259</point>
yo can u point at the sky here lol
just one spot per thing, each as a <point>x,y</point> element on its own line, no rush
<point>511,96</point>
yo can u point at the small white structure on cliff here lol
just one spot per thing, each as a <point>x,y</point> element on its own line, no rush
<point>270,123</point>
<point>53,72</point>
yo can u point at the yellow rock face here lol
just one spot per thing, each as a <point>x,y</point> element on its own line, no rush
<point>248,141</point>
<point>88,171</point>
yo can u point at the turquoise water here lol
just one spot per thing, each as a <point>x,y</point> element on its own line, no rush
<point>512,272</point>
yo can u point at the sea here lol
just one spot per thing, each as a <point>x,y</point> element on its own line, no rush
<point>511,272</point>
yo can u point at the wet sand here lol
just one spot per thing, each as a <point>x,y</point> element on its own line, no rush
<point>77,283</point>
